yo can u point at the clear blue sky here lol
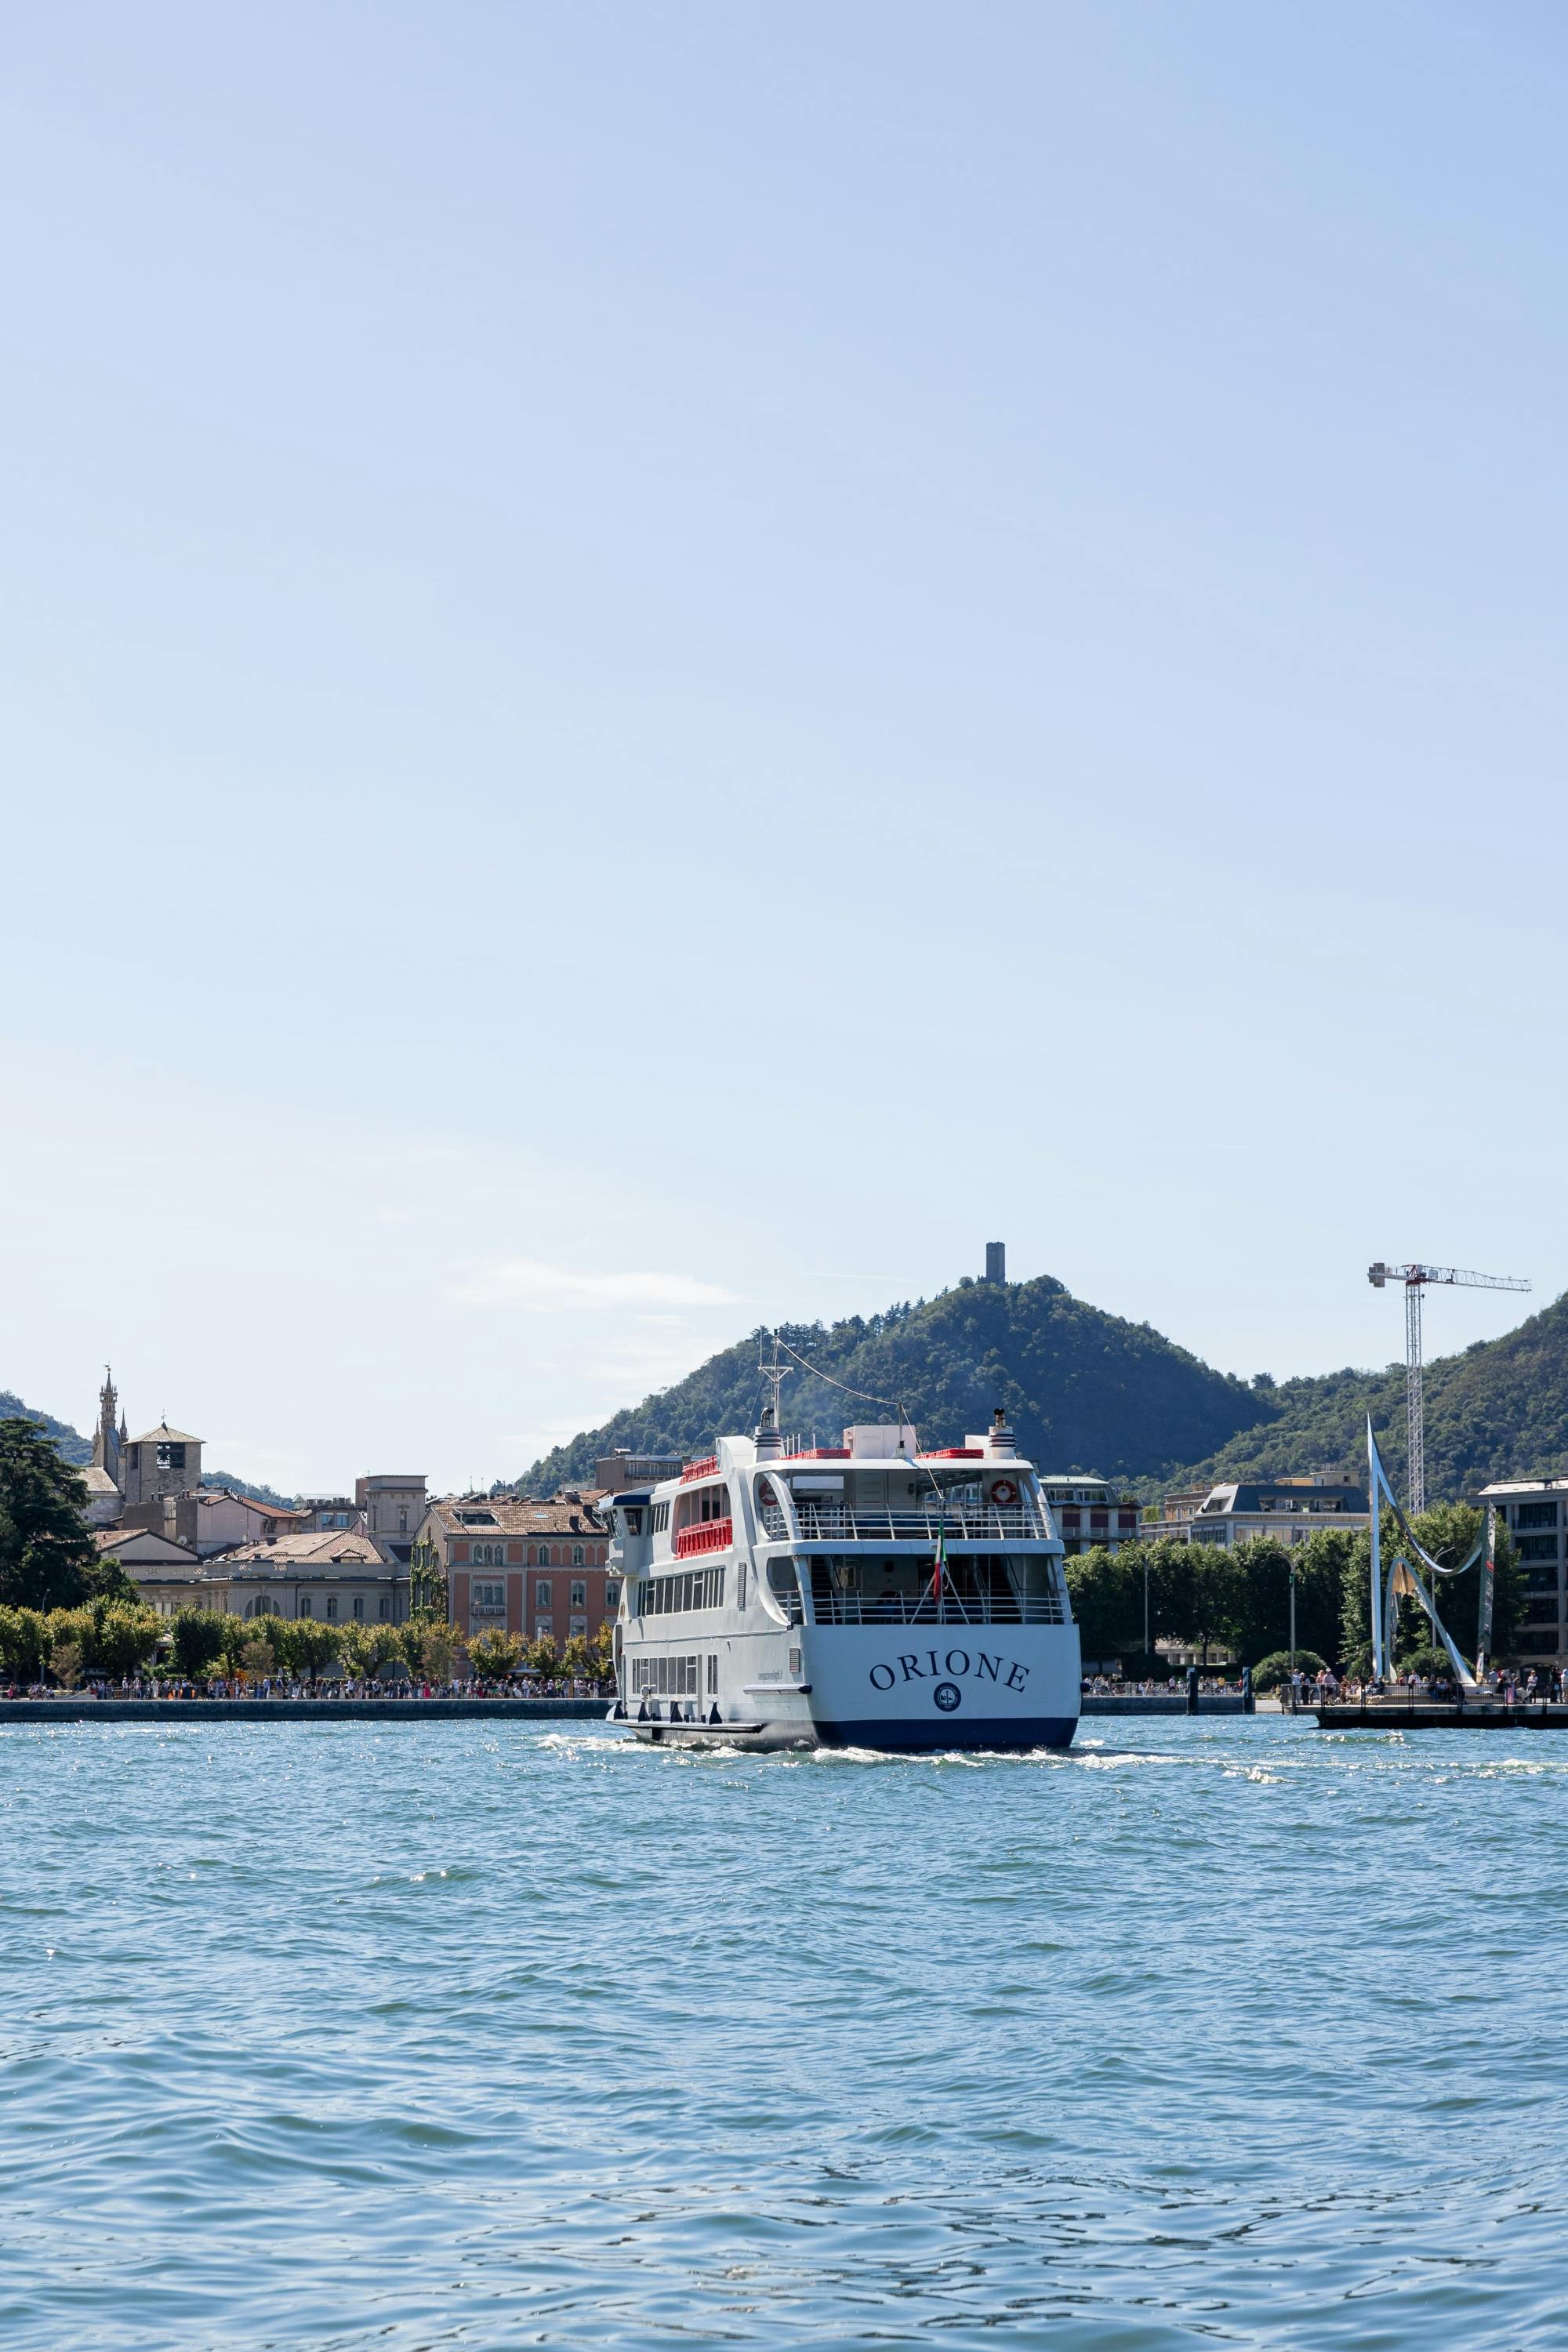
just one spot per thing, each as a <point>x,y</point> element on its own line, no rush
<point>663,665</point>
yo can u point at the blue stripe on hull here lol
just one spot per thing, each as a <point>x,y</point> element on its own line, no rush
<point>993,1731</point>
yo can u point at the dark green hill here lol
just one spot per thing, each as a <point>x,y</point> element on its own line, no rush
<point>1497,1411</point>
<point>1082,1388</point>
<point>69,1443</point>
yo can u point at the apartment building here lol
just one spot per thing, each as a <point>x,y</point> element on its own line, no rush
<point>1535,1513</point>
<point>534,1568</point>
<point>1086,1514</point>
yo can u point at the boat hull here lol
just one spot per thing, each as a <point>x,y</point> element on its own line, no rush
<point>994,1734</point>
<point>916,1689</point>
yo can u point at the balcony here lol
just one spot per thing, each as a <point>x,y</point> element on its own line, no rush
<point>709,1535</point>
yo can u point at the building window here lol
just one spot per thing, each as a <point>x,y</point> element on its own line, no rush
<point>403,1523</point>
<point>488,1597</point>
<point>1536,1514</point>
<point>332,1604</point>
<point>359,1604</point>
<point>386,1605</point>
<point>612,1594</point>
<point>541,1628</point>
<point>543,1555</point>
<point>576,1555</point>
<point>1538,1547</point>
<point>578,1626</point>
<point>171,1457</point>
<point>305,1605</point>
<point>579,1592</point>
<point>542,1595</point>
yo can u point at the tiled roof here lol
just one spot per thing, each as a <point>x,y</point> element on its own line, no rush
<point>295,1555</point>
<point>460,1517</point>
<point>141,1547</point>
<point>165,1435</point>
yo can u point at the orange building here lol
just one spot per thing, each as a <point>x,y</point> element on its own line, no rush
<point>534,1568</point>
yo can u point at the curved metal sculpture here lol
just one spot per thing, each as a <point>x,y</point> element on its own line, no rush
<point>1402,1576</point>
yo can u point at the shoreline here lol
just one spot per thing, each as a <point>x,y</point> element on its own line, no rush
<point>73,1709</point>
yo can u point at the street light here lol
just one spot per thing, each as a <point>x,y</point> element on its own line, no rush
<point>1292,1564</point>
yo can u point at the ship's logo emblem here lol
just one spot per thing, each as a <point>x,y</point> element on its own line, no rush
<point>947,1696</point>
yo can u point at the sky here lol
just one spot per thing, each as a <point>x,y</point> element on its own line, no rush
<point>661,666</point>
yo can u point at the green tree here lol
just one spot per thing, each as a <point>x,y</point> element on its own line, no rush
<point>438,1651</point>
<point>543,1656</point>
<point>23,1645</point>
<point>196,1636</point>
<point>47,1558</point>
<point>577,1659</point>
<point>304,1644</point>
<point>1107,1593</point>
<point>122,1637</point>
<point>257,1656</point>
<point>494,1654</point>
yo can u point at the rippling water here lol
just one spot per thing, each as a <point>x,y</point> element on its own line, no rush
<point>1220,2032</point>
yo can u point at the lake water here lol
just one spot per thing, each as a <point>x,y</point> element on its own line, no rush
<point>1215,2033</point>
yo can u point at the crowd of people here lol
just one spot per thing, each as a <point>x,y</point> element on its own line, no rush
<point>294,1686</point>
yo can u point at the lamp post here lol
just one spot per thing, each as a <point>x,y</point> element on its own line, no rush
<point>1145,1608</point>
<point>1292,1629</point>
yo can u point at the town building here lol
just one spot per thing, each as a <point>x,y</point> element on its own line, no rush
<point>341,1577</point>
<point>1086,1514</point>
<point>393,1504</point>
<point>534,1568</point>
<point>167,1575</point>
<point>622,1468</point>
<point>1174,1517</point>
<point>213,1519</point>
<point>1289,1509</point>
<point>1535,1513</point>
<point>333,1511</point>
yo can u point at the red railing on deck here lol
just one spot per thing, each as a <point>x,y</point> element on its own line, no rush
<point>703,1469</point>
<point>955,1454</point>
<point>709,1535</point>
<point>817,1454</point>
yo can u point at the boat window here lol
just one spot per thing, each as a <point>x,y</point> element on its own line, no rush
<point>631,1523</point>
<point>740,1586</point>
<point>712,1676</point>
<point>660,1519</point>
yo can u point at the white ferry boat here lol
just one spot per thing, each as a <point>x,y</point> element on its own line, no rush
<point>863,1595</point>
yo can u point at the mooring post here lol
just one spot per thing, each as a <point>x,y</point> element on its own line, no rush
<point>1191,1690</point>
<point>1248,1704</point>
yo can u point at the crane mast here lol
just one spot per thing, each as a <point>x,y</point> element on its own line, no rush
<point>1416,1280</point>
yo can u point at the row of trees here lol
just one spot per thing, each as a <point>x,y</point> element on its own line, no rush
<point>1239,1600</point>
<point>114,1637</point>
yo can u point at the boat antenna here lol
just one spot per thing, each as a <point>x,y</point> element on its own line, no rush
<point>775,1374</point>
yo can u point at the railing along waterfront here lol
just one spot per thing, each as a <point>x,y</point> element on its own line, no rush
<point>849,1523</point>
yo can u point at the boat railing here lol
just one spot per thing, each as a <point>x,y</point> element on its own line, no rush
<point>953,1608</point>
<point>849,1523</point>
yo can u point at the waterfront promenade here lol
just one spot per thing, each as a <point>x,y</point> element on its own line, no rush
<point>74,1708</point>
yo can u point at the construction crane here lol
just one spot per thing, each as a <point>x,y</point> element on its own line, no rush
<point>1416,1279</point>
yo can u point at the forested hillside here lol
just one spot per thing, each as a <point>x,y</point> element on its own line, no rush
<point>1497,1411</point>
<point>1082,1388</point>
<point>69,1443</point>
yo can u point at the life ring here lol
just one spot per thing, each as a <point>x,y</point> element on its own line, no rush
<point>1004,1494</point>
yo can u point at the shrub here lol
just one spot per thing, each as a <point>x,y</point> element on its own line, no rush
<point>1271,1672</point>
